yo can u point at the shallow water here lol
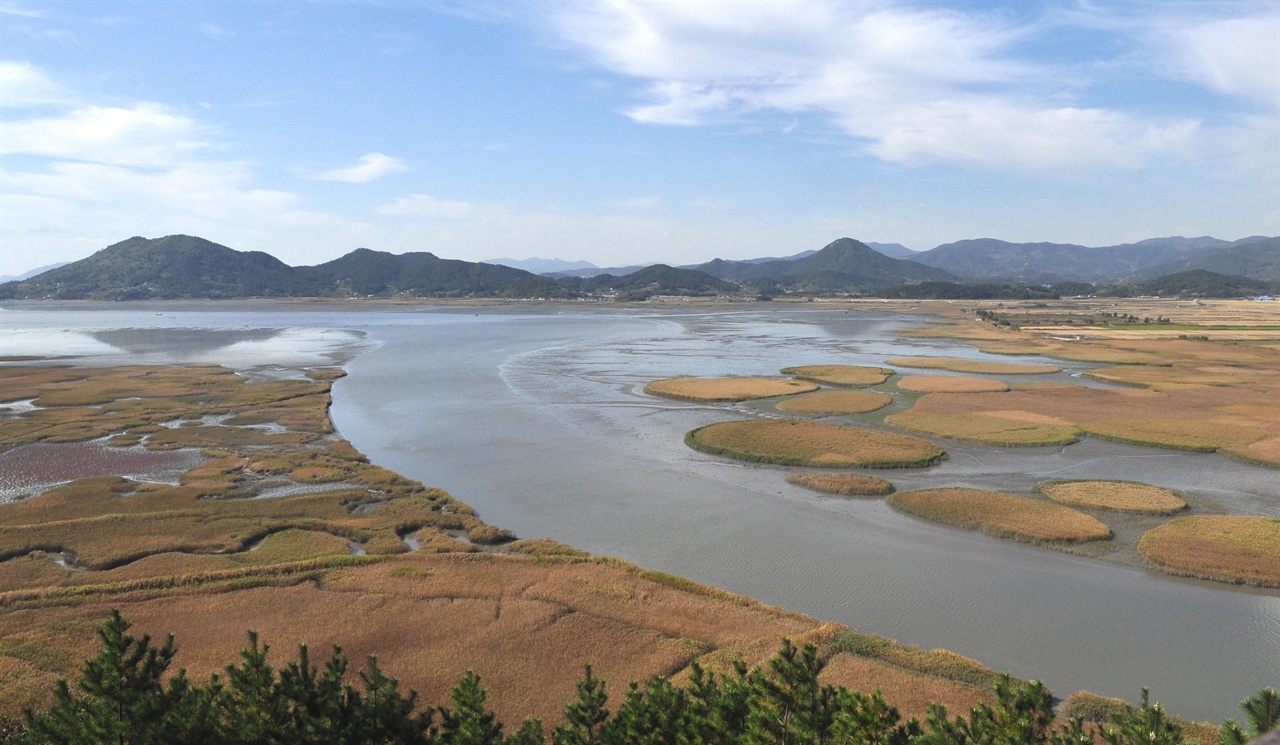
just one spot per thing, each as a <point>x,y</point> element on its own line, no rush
<point>535,417</point>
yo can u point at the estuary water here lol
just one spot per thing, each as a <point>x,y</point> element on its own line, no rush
<point>535,416</point>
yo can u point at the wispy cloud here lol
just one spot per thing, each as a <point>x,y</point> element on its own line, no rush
<point>371,166</point>
<point>24,86</point>
<point>907,83</point>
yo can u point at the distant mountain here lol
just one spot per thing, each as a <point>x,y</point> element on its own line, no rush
<point>617,271</point>
<point>1196,283</point>
<point>177,266</point>
<point>894,250</point>
<point>844,265</point>
<point>183,266</point>
<point>642,284</point>
<point>988,258</point>
<point>31,273</point>
<point>1255,258</point>
<point>542,266</point>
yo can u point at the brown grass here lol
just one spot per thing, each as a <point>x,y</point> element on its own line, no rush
<point>806,443</point>
<point>950,384</point>
<point>1200,418</point>
<point>1122,496</point>
<point>1001,514</point>
<point>837,402</point>
<point>526,615</point>
<point>980,367</point>
<point>1004,431</point>
<point>846,484</point>
<point>726,389</point>
<point>840,374</point>
<point>1227,548</point>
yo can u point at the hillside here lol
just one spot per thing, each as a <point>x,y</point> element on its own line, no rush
<point>176,266</point>
<point>658,279</point>
<point>1196,283</point>
<point>1257,259</point>
<point>843,265</point>
<point>988,258</point>
<point>421,274</point>
<point>183,266</point>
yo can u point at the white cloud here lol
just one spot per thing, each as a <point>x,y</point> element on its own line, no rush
<point>147,134</point>
<point>22,85</point>
<point>427,206</point>
<point>909,84</point>
<point>1235,56</point>
<point>371,166</point>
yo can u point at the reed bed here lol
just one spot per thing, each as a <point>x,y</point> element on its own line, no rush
<point>726,389</point>
<point>950,384</point>
<point>1121,496</point>
<point>844,484</point>
<point>806,443</point>
<point>980,367</point>
<point>1003,515</point>
<point>1227,548</point>
<point>1200,418</point>
<point>1002,431</point>
<point>837,402</point>
<point>850,375</point>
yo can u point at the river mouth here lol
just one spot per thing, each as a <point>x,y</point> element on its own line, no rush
<point>536,417</point>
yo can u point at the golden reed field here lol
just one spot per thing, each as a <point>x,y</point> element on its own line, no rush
<point>726,389</point>
<point>374,562</point>
<point>1122,496</point>
<point>1001,514</point>
<point>837,402</point>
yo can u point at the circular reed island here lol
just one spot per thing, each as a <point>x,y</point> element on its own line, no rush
<point>844,484</point>
<point>840,374</point>
<point>950,384</point>
<point>792,442</point>
<point>837,402</point>
<point>726,389</point>
<point>1002,515</point>
<point>980,367</point>
<point>1228,548</point>
<point>1120,496</point>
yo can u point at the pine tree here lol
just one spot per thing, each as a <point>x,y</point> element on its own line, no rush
<point>1261,713</point>
<point>585,713</point>
<point>469,722</point>
<point>123,698</point>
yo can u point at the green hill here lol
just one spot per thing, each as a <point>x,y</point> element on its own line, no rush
<point>658,279</point>
<point>1196,283</point>
<point>183,266</point>
<point>1259,259</point>
<point>844,265</point>
<point>176,266</point>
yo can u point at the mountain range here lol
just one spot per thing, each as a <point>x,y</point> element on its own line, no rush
<point>180,266</point>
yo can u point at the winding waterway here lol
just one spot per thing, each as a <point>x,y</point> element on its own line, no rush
<point>535,416</point>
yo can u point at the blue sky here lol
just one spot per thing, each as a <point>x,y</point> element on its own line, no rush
<point>623,132</point>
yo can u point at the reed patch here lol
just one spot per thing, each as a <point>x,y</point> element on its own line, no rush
<point>1227,548</point>
<point>837,402</point>
<point>980,367</point>
<point>807,443</point>
<point>950,384</point>
<point>849,375</point>
<point>1122,496</point>
<point>1001,514</point>
<point>844,484</point>
<point>726,389</point>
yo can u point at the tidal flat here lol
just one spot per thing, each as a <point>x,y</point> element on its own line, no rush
<point>535,416</point>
